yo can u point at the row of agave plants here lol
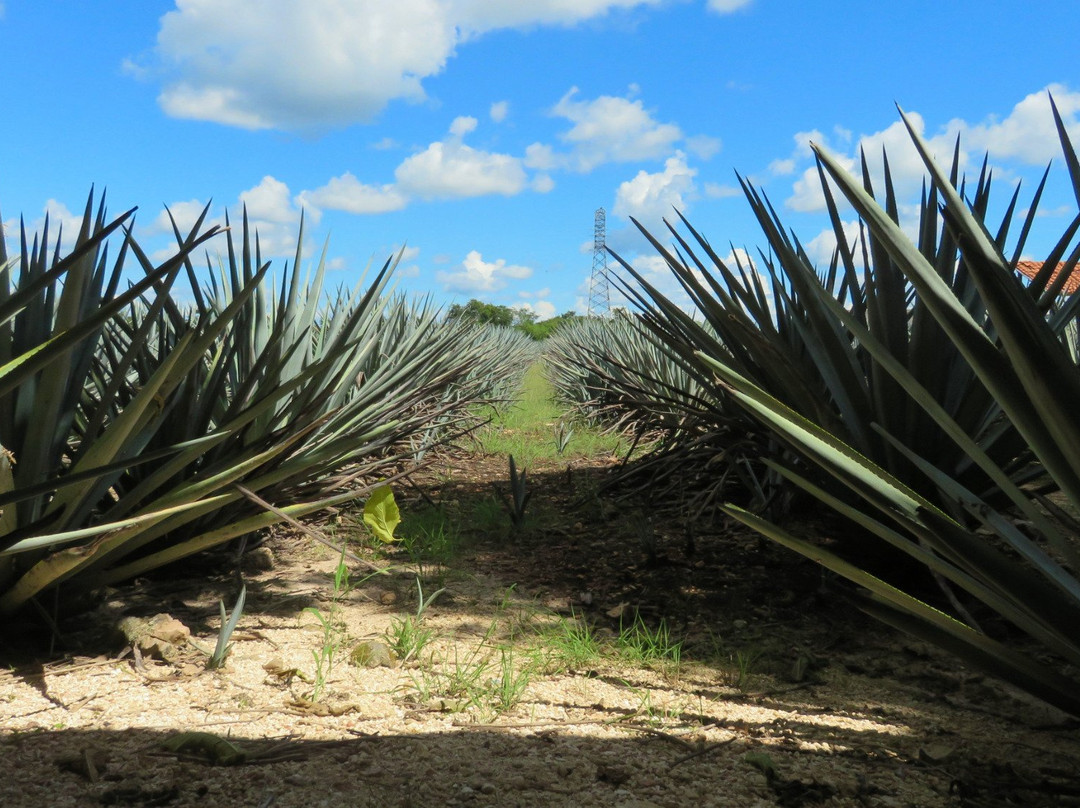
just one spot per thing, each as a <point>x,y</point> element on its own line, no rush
<point>135,429</point>
<point>916,388</point>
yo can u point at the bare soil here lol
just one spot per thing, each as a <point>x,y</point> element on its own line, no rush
<point>783,694</point>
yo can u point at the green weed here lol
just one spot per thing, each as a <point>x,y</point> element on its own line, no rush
<point>406,635</point>
<point>334,634</point>
<point>525,428</point>
<point>639,644</point>
<point>430,539</point>
<point>570,645</point>
<point>742,667</point>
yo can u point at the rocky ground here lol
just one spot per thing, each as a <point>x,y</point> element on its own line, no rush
<point>523,683</point>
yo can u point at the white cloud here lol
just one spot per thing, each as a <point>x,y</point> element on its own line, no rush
<point>61,222</point>
<point>347,193</point>
<point>261,64</point>
<point>270,201</point>
<point>499,111</point>
<point>541,157</point>
<point>806,194</point>
<point>486,15</point>
<point>462,125</point>
<point>542,184</point>
<point>657,274</point>
<point>477,275</point>
<point>651,197</point>
<point>385,144</point>
<point>539,293</point>
<point>543,309</point>
<point>715,190</point>
<point>703,146</point>
<point>452,170</point>
<point>407,266</point>
<point>1027,134</point>
<point>727,6</point>
<point>821,247</point>
<point>612,129</point>
<point>781,167</point>
<point>185,214</point>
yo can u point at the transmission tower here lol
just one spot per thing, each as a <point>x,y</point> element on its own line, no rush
<point>599,293</point>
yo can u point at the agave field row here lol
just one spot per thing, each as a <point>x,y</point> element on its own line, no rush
<point>137,429</point>
<point>916,389</point>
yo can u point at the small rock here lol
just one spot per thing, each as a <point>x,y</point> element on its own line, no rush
<point>739,624</point>
<point>487,788</point>
<point>168,628</point>
<point>617,612</point>
<point>261,559</point>
<point>388,597</point>
<point>614,774</point>
<point>936,753</point>
<point>373,654</point>
<point>160,637</point>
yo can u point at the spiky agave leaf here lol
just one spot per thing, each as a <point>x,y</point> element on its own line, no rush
<point>1011,345</point>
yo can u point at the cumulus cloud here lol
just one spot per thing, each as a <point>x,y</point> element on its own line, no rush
<point>274,215</point>
<point>452,170</point>
<point>270,201</point>
<point>347,193</point>
<point>542,183</point>
<point>476,275</point>
<point>498,111</point>
<point>703,146</point>
<point>651,197</point>
<point>446,169</point>
<point>657,274</point>
<point>543,309</point>
<point>184,213</point>
<point>536,303</point>
<point>715,190</point>
<point>1026,135</point>
<point>612,129</point>
<point>1028,132</point>
<point>541,157</point>
<point>782,166</point>
<point>821,247</point>
<point>385,144</point>
<point>727,6</point>
<point>462,125</point>
<point>407,266</point>
<point>61,222</point>
<point>485,15</point>
<point>262,64</point>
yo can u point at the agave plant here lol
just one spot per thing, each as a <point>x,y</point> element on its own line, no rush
<point>1002,422</point>
<point>49,334</point>
<point>619,373</point>
<point>258,394</point>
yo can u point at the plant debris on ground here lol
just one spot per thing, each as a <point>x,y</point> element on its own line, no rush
<point>595,657</point>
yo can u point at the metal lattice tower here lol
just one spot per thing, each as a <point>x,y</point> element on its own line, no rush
<point>599,292</point>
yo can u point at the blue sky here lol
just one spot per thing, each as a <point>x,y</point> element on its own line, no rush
<point>484,134</point>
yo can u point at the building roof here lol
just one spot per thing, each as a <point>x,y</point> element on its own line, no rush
<point>1031,269</point>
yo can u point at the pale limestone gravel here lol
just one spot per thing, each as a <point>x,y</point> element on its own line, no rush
<point>861,737</point>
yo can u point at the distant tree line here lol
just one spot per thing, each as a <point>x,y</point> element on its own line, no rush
<point>489,313</point>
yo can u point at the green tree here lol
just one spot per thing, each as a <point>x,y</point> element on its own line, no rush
<point>477,311</point>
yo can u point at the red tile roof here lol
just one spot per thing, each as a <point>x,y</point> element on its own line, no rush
<point>1031,269</point>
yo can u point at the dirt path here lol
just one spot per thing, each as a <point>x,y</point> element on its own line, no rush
<point>531,689</point>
